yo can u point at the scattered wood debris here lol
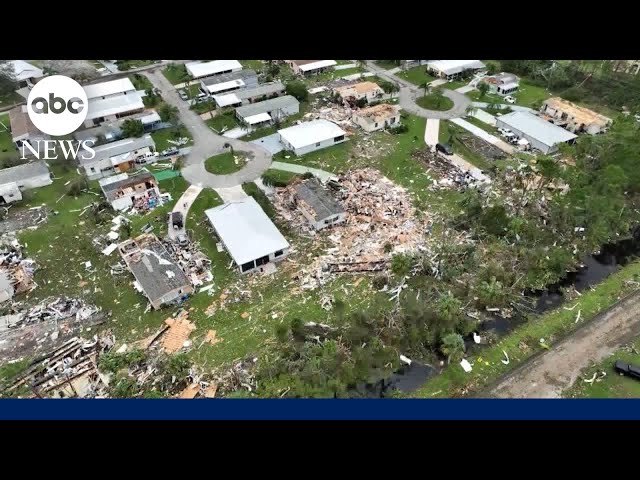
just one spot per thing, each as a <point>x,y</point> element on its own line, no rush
<point>178,334</point>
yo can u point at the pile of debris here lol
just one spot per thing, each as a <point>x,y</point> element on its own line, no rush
<point>17,220</point>
<point>16,272</point>
<point>193,262</point>
<point>484,148</point>
<point>449,175</point>
<point>69,370</point>
<point>58,309</point>
<point>381,221</point>
<point>334,113</point>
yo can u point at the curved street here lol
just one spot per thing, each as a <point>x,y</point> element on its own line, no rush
<point>206,144</point>
<point>409,93</point>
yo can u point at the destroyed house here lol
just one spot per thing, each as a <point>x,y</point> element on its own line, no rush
<point>262,113</point>
<point>229,82</point>
<point>249,95</point>
<point>115,157</point>
<point>502,83</point>
<point>248,234</point>
<point>317,204</point>
<point>200,70</point>
<point>157,275</point>
<point>357,91</point>
<point>15,180</point>
<point>310,67</point>
<point>124,191</point>
<point>573,117</point>
<point>377,117</point>
<point>311,136</point>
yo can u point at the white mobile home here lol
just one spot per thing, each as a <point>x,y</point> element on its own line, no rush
<point>115,157</point>
<point>311,136</point>
<point>200,70</point>
<point>15,180</point>
<point>268,111</point>
<point>542,135</point>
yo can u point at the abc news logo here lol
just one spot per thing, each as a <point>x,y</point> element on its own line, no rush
<point>57,106</point>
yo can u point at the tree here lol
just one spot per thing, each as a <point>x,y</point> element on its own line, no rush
<point>401,264</point>
<point>132,128</point>
<point>8,81</point>
<point>297,89</point>
<point>168,113</point>
<point>453,347</point>
<point>483,88</point>
<point>229,146</point>
<point>273,69</point>
<point>425,86</point>
<point>361,63</point>
<point>438,97</point>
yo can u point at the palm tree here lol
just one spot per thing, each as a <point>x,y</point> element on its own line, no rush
<point>229,146</point>
<point>426,87</point>
<point>453,346</point>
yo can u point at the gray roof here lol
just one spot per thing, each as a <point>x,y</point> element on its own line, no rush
<point>110,189</point>
<point>23,172</point>
<point>318,198</point>
<point>152,275</point>
<point>264,89</point>
<point>112,149</point>
<point>536,128</point>
<point>227,77</point>
<point>266,106</point>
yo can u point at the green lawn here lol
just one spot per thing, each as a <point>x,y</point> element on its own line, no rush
<point>162,137</point>
<point>435,102</point>
<point>8,150</point>
<point>140,81</point>
<point>259,133</point>
<point>455,84</point>
<point>11,99</point>
<point>225,163</point>
<point>416,75</point>
<point>227,119</point>
<point>484,126</point>
<point>124,65</point>
<point>527,96</point>
<point>386,64</point>
<point>523,342</point>
<point>613,385</point>
<point>344,62</point>
<point>256,65</point>
<point>175,73</point>
<point>446,130</point>
<point>278,177</point>
<point>349,71</point>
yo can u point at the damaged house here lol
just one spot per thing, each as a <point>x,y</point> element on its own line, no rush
<point>450,69</point>
<point>502,83</point>
<point>124,191</point>
<point>377,117</point>
<point>317,204</point>
<point>574,118</point>
<point>248,234</point>
<point>16,272</point>
<point>542,135</point>
<point>23,131</point>
<point>157,276</point>
<point>248,95</point>
<point>15,180</point>
<point>115,157</point>
<point>311,136</point>
<point>369,90</point>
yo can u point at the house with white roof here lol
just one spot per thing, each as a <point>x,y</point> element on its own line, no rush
<point>249,95</point>
<point>451,69</point>
<point>15,180</point>
<point>256,114</point>
<point>311,136</point>
<point>115,157</point>
<point>229,82</point>
<point>109,101</point>
<point>25,73</point>
<point>310,67</point>
<point>542,135</point>
<point>199,70</point>
<point>248,235</point>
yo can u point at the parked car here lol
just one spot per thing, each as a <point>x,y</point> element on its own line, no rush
<point>504,131</point>
<point>147,157</point>
<point>627,369</point>
<point>182,239</point>
<point>197,100</point>
<point>183,94</point>
<point>444,148</point>
<point>170,151</point>
<point>176,220</point>
<point>509,99</point>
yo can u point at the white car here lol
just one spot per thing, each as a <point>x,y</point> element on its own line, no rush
<point>509,99</point>
<point>504,131</point>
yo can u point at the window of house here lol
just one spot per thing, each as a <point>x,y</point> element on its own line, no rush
<point>376,125</point>
<point>278,253</point>
<point>338,139</point>
<point>247,266</point>
<point>318,144</point>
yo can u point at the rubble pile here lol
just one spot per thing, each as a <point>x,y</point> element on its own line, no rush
<point>380,222</point>
<point>450,175</point>
<point>58,309</point>
<point>69,370</point>
<point>17,220</point>
<point>334,113</point>
<point>193,262</point>
<point>16,270</point>
<point>484,148</point>
<point>240,376</point>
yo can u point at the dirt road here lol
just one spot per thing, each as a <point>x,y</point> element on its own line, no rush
<point>548,374</point>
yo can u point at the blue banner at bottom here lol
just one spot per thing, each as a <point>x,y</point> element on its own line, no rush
<point>294,409</point>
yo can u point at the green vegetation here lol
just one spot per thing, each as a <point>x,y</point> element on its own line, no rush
<point>12,98</point>
<point>484,126</point>
<point>523,342</point>
<point>124,65</point>
<point>435,101</point>
<point>162,137</point>
<point>140,82</point>
<point>8,151</point>
<point>254,191</point>
<point>278,178</point>
<point>528,95</point>
<point>132,128</point>
<point>225,163</point>
<point>259,133</point>
<point>613,385</point>
<point>225,120</point>
<point>175,73</point>
<point>350,71</point>
<point>298,89</point>
<point>455,84</point>
<point>451,134</point>
<point>168,113</point>
<point>416,75</point>
<point>256,65</point>
<point>388,64</point>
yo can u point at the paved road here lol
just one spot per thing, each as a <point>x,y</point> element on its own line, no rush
<point>290,167</point>
<point>207,144</point>
<point>432,131</point>
<point>183,205</point>
<point>231,194</point>
<point>409,93</point>
<point>548,374</point>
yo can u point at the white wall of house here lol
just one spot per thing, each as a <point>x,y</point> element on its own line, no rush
<point>311,148</point>
<point>368,125</point>
<point>272,258</point>
<point>538,145</point>
<point>324,222</point>
<point>10,192</point>
<point>35,182</point>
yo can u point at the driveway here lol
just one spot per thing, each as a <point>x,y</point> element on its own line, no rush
<point>432,131</point>
<point>207,144</point>
<point>270,142</point>
<point>183,205</point>
<point>548,374</point>
<point>409,93</point>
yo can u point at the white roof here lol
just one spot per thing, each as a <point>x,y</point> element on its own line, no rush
<point>315,90</point>
<point>246,230</point>
<point>537,128</point>
<point>152,117</point>
<point>114,178</point>
<point>260,117</point>
<point>114,105</point>
<point>318,64</point>
<point>226,100</point>
<point>309,133</point>
<point>108,88</point>
<point>455,66</point>
<point>23,70</point>
<point>202,69</point>
<point>218,87</point>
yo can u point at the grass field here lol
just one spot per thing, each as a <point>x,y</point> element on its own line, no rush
<point>386,64</point>
<point>162,137</point>
<point>140,81</point>
<point>349,71</point>
<point>435,102</point>
<point>224,163</point>
<point>455,84</point>
<point>7,148</point>
<point>11,99</point>
<point>256,65</point>
<point>613,385</point>
<point>527,96</point>
<point>523,342</point>
<point>416,75</point>
<point>175,73</point>
<point>226,120</point>
<point>446,130</point>
<point>484,126</point>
